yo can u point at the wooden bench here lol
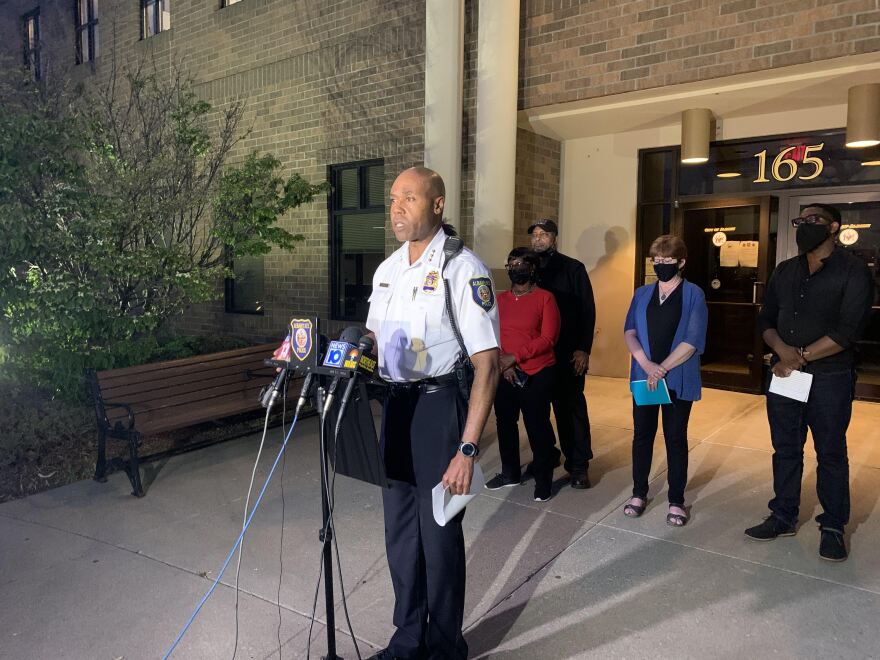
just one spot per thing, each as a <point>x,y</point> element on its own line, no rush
<point>165,396</point>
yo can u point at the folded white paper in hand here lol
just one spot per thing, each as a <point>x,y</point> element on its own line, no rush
<point>447,505</point>
<point>795,386</point>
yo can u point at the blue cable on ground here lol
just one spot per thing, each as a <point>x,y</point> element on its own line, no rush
<point>237,542</point>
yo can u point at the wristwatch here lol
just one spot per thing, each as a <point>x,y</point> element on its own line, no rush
<point>469,449</point>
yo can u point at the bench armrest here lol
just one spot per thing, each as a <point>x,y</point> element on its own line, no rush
<point>127,408</point>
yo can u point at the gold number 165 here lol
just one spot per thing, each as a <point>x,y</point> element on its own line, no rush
<point>791,166</point>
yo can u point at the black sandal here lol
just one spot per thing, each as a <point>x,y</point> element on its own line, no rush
<point>631,510</point>
<point>676,519</point>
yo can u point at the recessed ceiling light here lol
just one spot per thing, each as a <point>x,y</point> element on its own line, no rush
<point>860,144</point>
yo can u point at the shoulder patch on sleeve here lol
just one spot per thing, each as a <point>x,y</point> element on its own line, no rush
<point>482,293</point>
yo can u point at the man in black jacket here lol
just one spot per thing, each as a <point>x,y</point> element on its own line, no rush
<point>815,309</point>
<point>567,280</point>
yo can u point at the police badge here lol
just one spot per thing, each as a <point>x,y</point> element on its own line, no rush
<point>481,291</point>
<point>430,284</point>
<point>301,338</point>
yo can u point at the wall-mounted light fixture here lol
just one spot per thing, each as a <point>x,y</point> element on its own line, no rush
<point>728,175</point>
<point>863,116</point>
<point>696,127</point>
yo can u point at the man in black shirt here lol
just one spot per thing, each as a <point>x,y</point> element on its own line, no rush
<point>567,280</point>
<point>815,309</point>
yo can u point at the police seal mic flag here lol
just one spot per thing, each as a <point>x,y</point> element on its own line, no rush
<point>301,338</point>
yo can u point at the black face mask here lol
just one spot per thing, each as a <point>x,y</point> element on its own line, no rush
<point>521,275</point>
<point>809,237</point>
<point>666,272</point>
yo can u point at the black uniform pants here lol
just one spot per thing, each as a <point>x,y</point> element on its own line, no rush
<point>675,426</point>
<point>572,421</point>
<point>534,401</point>
<point>421,432</point>
<point>827,414</point>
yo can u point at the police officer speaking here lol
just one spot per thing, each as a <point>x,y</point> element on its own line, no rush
<point>430,432</point>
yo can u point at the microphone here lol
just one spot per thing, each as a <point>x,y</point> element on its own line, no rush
<point>336,353</point>
<point>365,345</point>
<point>270,395</point>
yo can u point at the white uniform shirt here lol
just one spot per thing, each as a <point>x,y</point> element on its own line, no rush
<point>414,337</point>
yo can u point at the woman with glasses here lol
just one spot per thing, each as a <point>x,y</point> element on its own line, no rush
<point>665,332</point>
<point>529,321</point>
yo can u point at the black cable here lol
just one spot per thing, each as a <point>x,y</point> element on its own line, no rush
<point>326,492</point>
<point>336,544</point>
<point>331,499</point>
<point>281,542</point>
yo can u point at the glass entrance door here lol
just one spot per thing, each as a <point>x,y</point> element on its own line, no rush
<point>860,234</point>
<point>731,246</point>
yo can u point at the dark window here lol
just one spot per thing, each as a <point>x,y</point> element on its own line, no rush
<point>155,17</point>
<point>357,236</point>
<point>86,30</point>
<point>31,33</point>
<point>245,292</point>
<point>657,172</point>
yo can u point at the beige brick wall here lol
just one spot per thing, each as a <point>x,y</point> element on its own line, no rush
<point>537,182</point>
<point>325,82</point>
<point>573,49</point>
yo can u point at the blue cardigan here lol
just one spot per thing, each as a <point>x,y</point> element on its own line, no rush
<point>684,379</point>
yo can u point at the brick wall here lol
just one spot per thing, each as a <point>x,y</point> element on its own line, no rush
<point>573,49</point>
<point>537,182</point>
<point>325,82</point>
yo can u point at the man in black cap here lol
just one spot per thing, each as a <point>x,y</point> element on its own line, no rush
<point>567,280</point>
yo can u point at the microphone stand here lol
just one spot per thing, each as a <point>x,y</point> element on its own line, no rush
<point>325,535</point>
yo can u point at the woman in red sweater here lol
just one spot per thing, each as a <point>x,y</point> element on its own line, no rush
<point>529,329</point>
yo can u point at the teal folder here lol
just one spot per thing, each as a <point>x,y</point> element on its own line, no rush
<point>644,397</point>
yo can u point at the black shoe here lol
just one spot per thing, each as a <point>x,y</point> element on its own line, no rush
<point>384,654</point>
<point>832,546</point>
<point>579,480</point>
<point>770,529</point>
<point>501,481</point>
<point>543,491</point>
<point>529,472</point>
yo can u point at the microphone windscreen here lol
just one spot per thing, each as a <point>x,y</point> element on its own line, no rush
<point>366,344</point>
<point>352,334</point>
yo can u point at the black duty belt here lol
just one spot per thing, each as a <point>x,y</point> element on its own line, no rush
<point>425,385</point>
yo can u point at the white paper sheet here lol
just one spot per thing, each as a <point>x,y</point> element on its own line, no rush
<point>447,505</point>
<point>729,257</point>
<point>796,386</point>
<point>748,254</point>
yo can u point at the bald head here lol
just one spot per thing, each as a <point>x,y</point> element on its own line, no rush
<point>434,182</point>
<point>417,198</point>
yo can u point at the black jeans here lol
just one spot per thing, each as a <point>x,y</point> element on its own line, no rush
<point>826,413</point>
<point>420,435</point>
<point>534,402</point>
<point>675,426</point>
<point>572,420</point>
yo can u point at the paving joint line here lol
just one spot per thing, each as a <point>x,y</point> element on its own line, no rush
<point>149,557</point>
<point>743,559</point>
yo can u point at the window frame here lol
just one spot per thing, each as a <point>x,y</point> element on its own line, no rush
<point>157,20</point>
<point>334,210</point>
<point>90,27</point>
<point>229,292</point>
<point>32,55</point>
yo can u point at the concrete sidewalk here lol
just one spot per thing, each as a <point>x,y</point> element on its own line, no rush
<point>87,571</point>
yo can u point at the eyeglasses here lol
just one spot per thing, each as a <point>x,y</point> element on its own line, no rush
<point>515,264</point>
<point>813,219</point>
<point>665,260</point>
